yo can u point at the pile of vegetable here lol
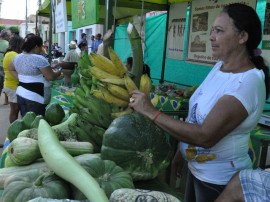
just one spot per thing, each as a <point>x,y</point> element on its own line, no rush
<point>103,146</point>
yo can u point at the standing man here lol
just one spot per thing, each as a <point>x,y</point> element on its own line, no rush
<point>97,42</point>
<point>92,43</point>
<point>72,55</point>
<point>4,43</point>
<point>84,40</point>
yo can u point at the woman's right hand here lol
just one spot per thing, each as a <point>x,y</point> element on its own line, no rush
<point>142,103</point>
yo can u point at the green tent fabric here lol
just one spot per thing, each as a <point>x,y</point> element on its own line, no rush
<point>125,8</point>
<point>154,44</point>
<point>121,43</point>
<point>45,9</point>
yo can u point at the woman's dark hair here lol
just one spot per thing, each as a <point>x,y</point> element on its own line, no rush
<point>83,34</point>
<point>15,44</point>
<point>146,70</point>
<point>130,61</point>
<point>31,41</point>
<point>82,44</point>
<point>246,19</point>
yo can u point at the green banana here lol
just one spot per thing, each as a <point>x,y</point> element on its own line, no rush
<point>95,132</point>
<point>85,73</point>
<point>98,133</point>
<point>89,116</point>
<point>79,91</point>
<point>84,137</point>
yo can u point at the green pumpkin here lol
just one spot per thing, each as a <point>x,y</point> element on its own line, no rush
<point>36,121</point>
<point>15,128</point>
<point>28,119</point>
<point>138,145</point>
<point>34,183</point>
<point>54,113</point>
<point>109,176</point>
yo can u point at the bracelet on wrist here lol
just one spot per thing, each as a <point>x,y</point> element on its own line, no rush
<point>156,116</point>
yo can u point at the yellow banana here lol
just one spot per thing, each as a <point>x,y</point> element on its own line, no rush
<point>128,110</point>
<point>104,64</point>
<point>104,94</point>
<point>145,84</point>
<point>120,82</point>
<point>100,74</point>
<point>117,62</point>
<point>118,91</point>
<point>129,83</point>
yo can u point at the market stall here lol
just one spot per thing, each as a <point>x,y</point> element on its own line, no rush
<point>96,111</point>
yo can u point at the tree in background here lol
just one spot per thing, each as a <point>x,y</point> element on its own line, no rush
<point>2,27</point>
<point>14,29</point>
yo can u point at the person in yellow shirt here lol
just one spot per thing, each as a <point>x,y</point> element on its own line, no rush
<point>10,82</point>
<point>4,39</point>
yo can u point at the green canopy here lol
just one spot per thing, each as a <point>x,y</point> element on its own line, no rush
<point>125,8</point>
<point>45,9</point>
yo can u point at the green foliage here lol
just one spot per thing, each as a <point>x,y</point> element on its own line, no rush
<point>2,27</point>
<point>14,29</point>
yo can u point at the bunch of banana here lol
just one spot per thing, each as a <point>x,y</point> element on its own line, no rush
<point>93,109</point>
<point>87,132</point>
<point>104,64</point>
<point>94,114</point>
<point>145,84</point>
<point>84,61</point>
<point>114,84</point>
<point>117,62</point>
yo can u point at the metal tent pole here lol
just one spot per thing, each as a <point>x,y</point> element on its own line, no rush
<point>165,46</point>
<point>50,31</point>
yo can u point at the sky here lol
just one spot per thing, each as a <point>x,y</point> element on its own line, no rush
<point>16,9</point>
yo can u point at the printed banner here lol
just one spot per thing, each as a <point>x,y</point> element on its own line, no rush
<point>84,12</point>
<point>60,16</point>
<point>176,30</point>
<point>202,16</point>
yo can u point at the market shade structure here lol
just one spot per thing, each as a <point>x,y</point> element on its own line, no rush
<point>125,8</point>
<point>45,9</point>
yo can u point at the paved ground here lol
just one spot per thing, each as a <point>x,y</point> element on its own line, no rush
<point>4,122</point>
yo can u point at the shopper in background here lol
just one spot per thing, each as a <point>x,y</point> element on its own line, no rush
<point>223,110</point>
<point>97,42</point>
<point>72,55</point>
<point>10,82</point>
<point>83,47</point>
<point>83,39</point>
<point>92,43</point>
<point>129,62</point>
<point>100,50</point>
<point>77,47</point>
<point>34,74</point>
<point>247,185</point>
<point>146,70</point>
<point>4,40</point>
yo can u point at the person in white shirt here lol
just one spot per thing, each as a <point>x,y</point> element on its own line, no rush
<point>223,110</point>
<point>72,55</point>
<point>34,74</point>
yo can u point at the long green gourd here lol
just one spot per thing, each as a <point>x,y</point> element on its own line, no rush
<point>56,156</point>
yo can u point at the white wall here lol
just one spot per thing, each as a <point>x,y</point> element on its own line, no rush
<point>30,28</point>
